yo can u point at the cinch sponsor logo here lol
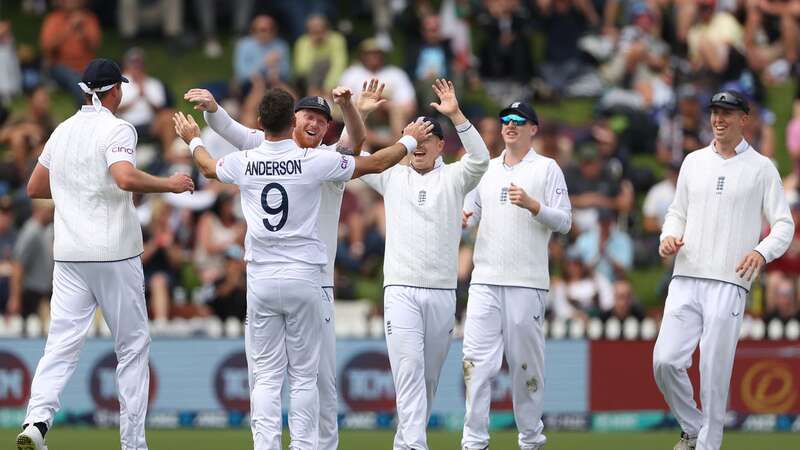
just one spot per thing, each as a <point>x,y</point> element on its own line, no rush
<point>15,381</point>
<point>122,150</point>
<point>366,382</point>
<point>103,383</point>
<point>231,383</point>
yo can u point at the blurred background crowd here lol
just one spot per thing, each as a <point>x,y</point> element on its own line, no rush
<point>621,87</point>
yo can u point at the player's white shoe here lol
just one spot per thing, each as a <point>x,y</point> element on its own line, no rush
<point>31,439</point>
<point>686,443</point>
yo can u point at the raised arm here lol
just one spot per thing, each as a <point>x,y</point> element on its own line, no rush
<point>388,157</point>
<point>474,164</point>
<point>189,131</point>
<point>222,123</point>
<point>355,133</point>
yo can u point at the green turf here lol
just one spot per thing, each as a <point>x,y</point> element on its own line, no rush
<point>87,439</point>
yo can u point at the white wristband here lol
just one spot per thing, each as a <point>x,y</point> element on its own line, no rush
<point>409,142</point>
<point>194,143</point>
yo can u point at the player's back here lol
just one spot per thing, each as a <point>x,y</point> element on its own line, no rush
<point>280,188</point>
<point>95,220</point>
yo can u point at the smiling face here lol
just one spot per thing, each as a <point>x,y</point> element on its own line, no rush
<point>310,128</point>
<point>728,124</point>
<point>424,157</point>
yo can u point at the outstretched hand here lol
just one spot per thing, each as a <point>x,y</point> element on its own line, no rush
<point>418,129</point>
<point>341,95</point>
<point>185,126</point>
<point>371,97</point>
<point>448,104</point>
<point>203,100</point>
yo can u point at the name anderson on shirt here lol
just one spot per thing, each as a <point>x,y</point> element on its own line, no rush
<point>272,168</point>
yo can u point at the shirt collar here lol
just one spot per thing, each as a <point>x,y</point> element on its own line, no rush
<point>279,146</point>
<point>530,156</point>
<point>740,148</point>
<point>90,109</point>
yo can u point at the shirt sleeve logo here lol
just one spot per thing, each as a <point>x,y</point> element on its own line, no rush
<point>345,162</point>
<point>121,149</point>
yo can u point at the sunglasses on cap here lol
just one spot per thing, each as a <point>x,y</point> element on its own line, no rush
<point>515,119</point>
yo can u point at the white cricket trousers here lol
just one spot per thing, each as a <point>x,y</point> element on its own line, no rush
<point>78,289</point>
<point>710,312</point>
<point>283,333</point>
<point>326,380</point>
<point>504,318</point>
<point>419,325</point>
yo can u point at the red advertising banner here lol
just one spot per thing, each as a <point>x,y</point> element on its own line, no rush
<point>765,379</point>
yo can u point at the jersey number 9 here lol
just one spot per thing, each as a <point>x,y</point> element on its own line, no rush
<point>282,208</point>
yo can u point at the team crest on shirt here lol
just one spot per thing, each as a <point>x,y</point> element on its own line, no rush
<point>421,197</point>
<point>720,185</point>
<point>503,195</point>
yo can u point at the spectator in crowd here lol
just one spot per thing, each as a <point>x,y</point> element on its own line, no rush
<point>217,230</point>
<point>716,42</point>
<point>658,199</point>
<point>784,306</point>
<point>229,291</point>
<point>785,267</point>
<point>261,54</point>
<point>10,73</point>
<point>605,248</point>
<point>772,32</point>
<point>402,103</point>
<point>489,128</point>
<point>360,236</point>
<point>32,280</point>
<point>145,102</point>
<point>582,293</point>
<point>592,186</point>
<point>69,38</point>
<point>637,70</point>
<point>161,260</point>
<point>240,12</point>
<point>135,14</point>
<point>564,70</point>
<point>625,305</point>
<point>550,142</point>
<point>25,135</point>
<point>505,55</point>
<point>428,59</point>
<point>320,56</point>
<point>793,129</point>
<point>8,238</point>
<point>686,130</point>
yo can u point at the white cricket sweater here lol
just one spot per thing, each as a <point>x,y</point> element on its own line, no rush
<point>95,220</point>
<point>511,248</point>
<point>244,138</point>
<point>717,211</point>
<point>423,215</point>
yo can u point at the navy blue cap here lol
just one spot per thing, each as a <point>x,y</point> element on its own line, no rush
<point>521,109</point>
<point>437,127</point>
<point>729,100</point>
<point>316,103</point>
<point>102,72</point>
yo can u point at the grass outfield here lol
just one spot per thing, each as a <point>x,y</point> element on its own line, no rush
<point>88,439</point>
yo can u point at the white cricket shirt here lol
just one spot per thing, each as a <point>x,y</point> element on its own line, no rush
<point>423,215</point>
<point>280,187</point>
<point>244,138</point>
<point>95,220</point>
<point>718,209</point>
<point>511,248</point>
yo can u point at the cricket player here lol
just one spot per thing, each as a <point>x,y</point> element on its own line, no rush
<point>88,168</point>
<point>518,204</point>
<point>423,202</point>
<point>281,187</point>
<point>713,227</point>
<point>313,118</point>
